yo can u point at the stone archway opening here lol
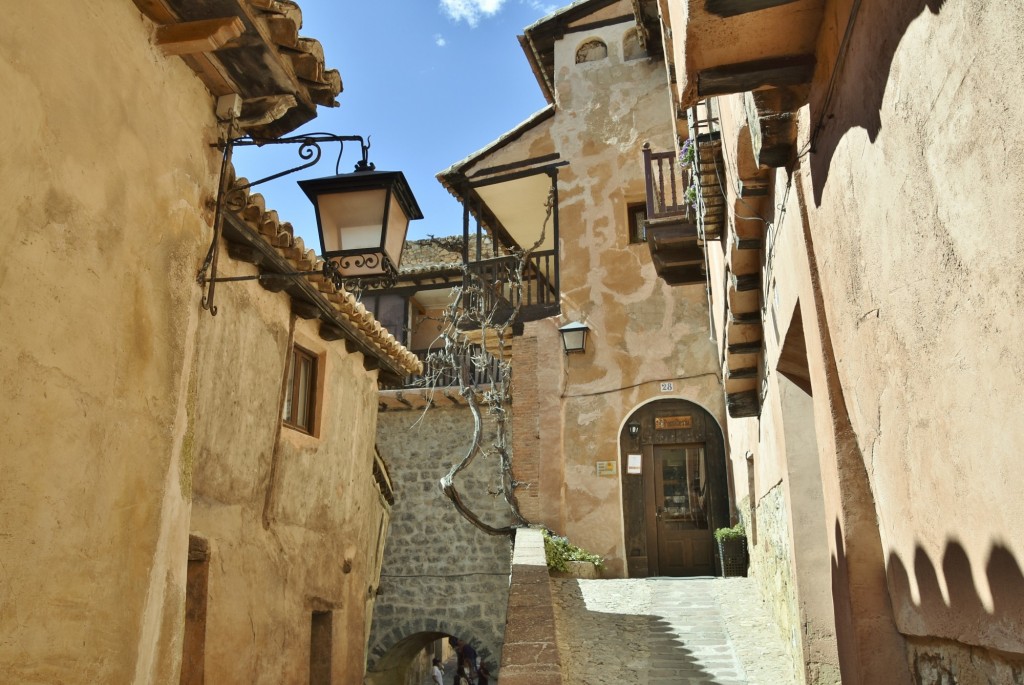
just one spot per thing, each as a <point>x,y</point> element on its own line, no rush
<point>408,659</point>
<point>675,490</point>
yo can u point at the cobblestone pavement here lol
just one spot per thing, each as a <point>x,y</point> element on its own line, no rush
<point>661,631</point>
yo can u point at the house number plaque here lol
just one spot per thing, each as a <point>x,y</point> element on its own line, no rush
<point>671,423</point>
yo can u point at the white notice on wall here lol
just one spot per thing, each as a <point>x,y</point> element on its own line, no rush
<point>633,463</point>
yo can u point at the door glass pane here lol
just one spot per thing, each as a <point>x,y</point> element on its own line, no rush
<point>683,492</point>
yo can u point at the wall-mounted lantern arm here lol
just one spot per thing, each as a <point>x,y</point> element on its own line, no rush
<point>348,206</point>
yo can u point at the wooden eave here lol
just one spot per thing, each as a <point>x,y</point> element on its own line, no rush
<point>648,19</point>
<point>266,62</point>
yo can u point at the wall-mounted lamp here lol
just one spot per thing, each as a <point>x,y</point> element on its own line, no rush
<point>634,429</point>
<point>361,217</point>
<point>574,337</point>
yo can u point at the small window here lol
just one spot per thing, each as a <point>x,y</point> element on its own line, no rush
<point>637,213</point>
<point>631,46</point>
<point>591,51</point>
<point>321,646</point>
<point>300,398</point>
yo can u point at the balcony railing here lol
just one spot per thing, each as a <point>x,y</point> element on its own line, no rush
<point>480,366</point>
<point>667,183</point>
<point>537,298</point>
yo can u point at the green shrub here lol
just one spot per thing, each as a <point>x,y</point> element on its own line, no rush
<point>734,533</point>
<point>559,552</point>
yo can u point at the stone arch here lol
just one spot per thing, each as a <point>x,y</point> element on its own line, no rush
<point>592,50</point>
<point>394,651</point>
<point>665,422</point>
<point>632,48</point>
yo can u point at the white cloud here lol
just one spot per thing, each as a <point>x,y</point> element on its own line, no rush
<point>544,8</point>
<point>470,11</point>
<point>439,40</point>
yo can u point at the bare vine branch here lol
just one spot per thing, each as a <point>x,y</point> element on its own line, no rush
<point>489,300</point>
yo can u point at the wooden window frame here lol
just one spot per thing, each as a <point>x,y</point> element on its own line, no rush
<point>293,391</point>
<point>635,238</point>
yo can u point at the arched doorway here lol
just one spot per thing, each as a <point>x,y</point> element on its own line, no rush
<point>675,491</point>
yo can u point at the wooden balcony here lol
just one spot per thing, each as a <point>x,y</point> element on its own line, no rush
<point>538,297</point>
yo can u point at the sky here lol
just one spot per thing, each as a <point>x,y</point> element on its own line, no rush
<point>429,81</point>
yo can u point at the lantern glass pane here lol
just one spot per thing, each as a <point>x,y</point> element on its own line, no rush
<point>573,340</point>
<point>352,220</point>
<point>398,225</point>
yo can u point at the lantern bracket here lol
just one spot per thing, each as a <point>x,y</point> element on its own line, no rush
<point>231,196</point>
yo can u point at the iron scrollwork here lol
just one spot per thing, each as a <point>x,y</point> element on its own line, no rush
<point>231,196</point>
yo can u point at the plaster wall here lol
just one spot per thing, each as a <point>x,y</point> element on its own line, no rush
<point>294,521</point>
<point>442,576</point>
<point>643,332</point>
<point>911,354</point>
<point>907,200</point>
<point>106,172</point>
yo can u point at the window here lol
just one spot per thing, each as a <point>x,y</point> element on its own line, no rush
<point>321,644</point>
<point>300,398</point>
<point>631,47</point>
<point>591,51</point>
<point>637,215</point>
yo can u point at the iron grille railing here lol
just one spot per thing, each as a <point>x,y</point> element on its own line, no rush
<point>481,369</point>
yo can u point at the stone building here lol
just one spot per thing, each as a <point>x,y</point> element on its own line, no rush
<point>648,362</point>
<point>155,502</point>
<point>851,163</point>
<point>442,576</point>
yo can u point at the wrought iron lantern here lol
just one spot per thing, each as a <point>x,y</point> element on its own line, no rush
<point>362,217</point>
<point>574,337</point>
<point>634,428</point>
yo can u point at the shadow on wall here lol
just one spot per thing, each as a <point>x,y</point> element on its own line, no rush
<point>961,614</point>
<point>859,89</point>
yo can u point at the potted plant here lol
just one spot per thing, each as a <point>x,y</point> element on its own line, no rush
<point>567,560</point>
<point>732,550</point>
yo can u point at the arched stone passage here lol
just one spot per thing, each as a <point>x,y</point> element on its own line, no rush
<point>441,575</point>
<point>390,658</point>
<point>675,489</point>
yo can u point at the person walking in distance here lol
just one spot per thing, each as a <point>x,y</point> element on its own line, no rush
<point>436,673</point>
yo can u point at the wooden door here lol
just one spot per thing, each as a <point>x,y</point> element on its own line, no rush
<point>681,504</point>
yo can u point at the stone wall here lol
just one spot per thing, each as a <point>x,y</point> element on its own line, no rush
<point>294,521</point>
<point>442,575</point>
<point>771,568</point>
<point>530,655</point>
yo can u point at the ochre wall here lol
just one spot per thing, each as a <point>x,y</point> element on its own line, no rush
<point>898,242</point>
<point>910,200</point>
<point>106,171</point>
<point>293,520</point>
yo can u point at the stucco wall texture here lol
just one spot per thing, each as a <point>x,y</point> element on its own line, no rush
<point>895,240</point>
<point>295,522</point>
<point>643,331</point>
<point>97,287</point>
<point>441,575</point>
<point>909,204</point>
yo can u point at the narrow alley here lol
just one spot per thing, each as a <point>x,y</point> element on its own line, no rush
<point>654,631</point>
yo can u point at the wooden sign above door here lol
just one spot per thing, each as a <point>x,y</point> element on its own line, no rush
<point>671,423</point>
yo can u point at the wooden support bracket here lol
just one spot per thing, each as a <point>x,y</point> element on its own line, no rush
<point>305,310</point>
<point>192,37</point>
<point>744,76</point>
